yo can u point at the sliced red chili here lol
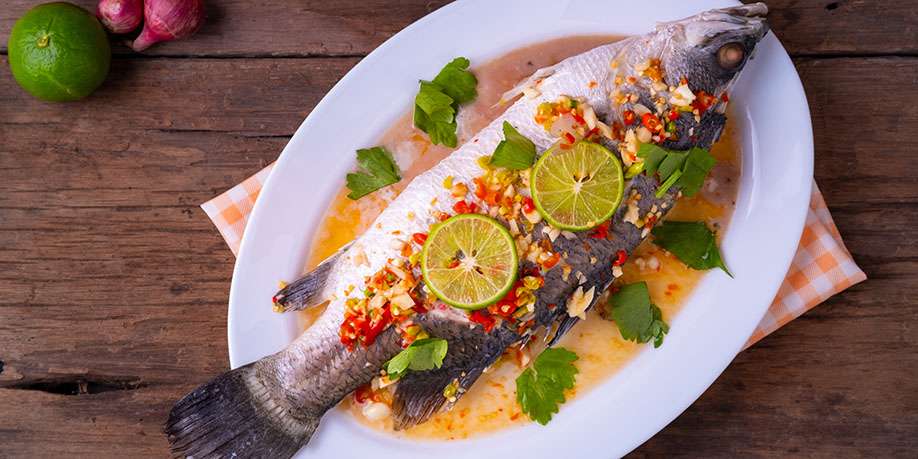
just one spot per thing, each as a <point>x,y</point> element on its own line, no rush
<point>651,122</point>
<point>419,238</point>
<point>528,205</point>
<point>629,117</point>
<point>620,258</point>
<point>483,318</point>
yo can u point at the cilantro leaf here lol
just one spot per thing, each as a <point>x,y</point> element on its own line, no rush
<point>540,388</point>
<point>697,165</point>
<point>380,170</point>
<point>653,155</point>
<point>457,82</point>
<point>637,318</point>
<point>515,151</point>
<point>437,101</point>
<point>423,354</point>
<point>691,166</point>
<point>691,242</point>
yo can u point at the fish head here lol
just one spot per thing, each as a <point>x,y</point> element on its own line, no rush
<point>710,49</point>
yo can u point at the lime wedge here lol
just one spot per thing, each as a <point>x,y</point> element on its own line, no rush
<point>469,261</point>
<point>577,188</point>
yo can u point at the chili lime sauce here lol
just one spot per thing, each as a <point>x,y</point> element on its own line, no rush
<point>491,404</point>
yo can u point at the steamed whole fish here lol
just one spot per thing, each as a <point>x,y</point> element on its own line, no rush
<point>272,407</point>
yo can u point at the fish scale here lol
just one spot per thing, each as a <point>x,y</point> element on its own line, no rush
<point>273,406</point>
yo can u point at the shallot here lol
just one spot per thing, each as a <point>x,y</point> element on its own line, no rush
<point>120,16</point>
<point>166,20</point>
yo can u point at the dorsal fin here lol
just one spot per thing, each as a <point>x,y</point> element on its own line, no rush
<point>309,290</point>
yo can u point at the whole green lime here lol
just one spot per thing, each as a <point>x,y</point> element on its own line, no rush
<point>59,52</point>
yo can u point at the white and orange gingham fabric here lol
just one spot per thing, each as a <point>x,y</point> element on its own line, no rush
<point>821,268</point>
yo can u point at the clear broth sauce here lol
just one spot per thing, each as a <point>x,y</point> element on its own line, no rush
<point>490,405</point>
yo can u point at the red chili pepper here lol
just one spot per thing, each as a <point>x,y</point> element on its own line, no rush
<point>363,393</point>
<point>480,189</point>
<point>592,132</point>
<point>650,220</point>
<point>551,261</point>
<point>725,97</point>
<point>673,115</point>
<point>483,318</point>
<point>419,238</point>
<point>528,205</point>
<point>374,328</point>
<point>703,101</point>
<point>473,208</point>
<point>578,118</point>
<point>629,117</point>
<point>601,232</point>
<point>651,122</point>
<point>461,207</point>
<point>453,264</point>
<point>620,258</point>
<point>569,137</point>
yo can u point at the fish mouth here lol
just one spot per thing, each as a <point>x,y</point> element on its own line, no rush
<point>746,21</point>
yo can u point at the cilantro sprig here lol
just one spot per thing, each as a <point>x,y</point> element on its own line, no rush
<point>379,170</point>
<point>685,169</point>
<point>692,242</point>
<point>423,354</point>
<point>637,318</point>
<point>516,151</point>
<point>540,388</point>
<point>438,101</point>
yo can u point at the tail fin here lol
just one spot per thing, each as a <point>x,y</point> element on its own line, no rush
<point>234,415</point>
<point>308,290</point>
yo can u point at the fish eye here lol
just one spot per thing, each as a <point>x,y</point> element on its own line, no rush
<point>731,55</point>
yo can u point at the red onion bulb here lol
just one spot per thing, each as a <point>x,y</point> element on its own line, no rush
<point>166,20</point>
<point>120,16</point>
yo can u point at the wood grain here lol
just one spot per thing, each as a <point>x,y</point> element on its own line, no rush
<point>243,28</point>
<point>113,284</point>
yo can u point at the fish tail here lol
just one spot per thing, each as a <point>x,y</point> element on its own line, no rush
<point>234,415</point>
<point>308,290</point>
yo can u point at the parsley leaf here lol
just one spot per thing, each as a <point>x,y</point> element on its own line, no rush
<point>515,151</point>
<point>691,166</point>
<point>438,101</point>
<point>691,242</point>
<point>457,82</point>
<point>637,318</point>
<point>423,354</point>
<point>540,388</point>
<point>380,170</point>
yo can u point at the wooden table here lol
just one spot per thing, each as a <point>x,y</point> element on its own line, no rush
<point>113,283</point>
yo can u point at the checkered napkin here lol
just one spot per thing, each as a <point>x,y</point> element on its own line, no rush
<point>821,268</point>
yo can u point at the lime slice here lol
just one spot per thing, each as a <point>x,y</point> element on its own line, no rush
<point>577,188</point>
<point>469,261</point>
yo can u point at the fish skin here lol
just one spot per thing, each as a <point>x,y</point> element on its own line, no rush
<point>274,405</point>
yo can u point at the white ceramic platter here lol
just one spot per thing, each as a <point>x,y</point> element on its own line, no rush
<point>770,113</point>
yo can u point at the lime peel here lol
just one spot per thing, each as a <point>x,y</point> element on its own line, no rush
<point>577,188</point>
<point>469,261</point>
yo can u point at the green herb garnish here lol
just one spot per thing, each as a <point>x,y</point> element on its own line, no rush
<point>691,242</point>
<point>692,167</point>
<point>379,170</point>
<point>423,354</point>
<point>438,101</point>
<point>515,151</point>
<point>638,319</point>
<point>540,388</point>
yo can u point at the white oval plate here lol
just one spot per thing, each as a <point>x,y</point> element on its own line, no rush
<point>770,113</point>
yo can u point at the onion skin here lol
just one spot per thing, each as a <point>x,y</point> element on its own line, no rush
<point>166,20</point>
<point>120,16</point>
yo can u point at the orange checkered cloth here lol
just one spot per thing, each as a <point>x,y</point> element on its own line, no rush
<point>821,268</point>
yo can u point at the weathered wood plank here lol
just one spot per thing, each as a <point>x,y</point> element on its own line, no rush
<point>111,276</point>
<point>354,28</point>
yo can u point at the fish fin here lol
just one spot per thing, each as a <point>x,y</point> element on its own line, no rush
<point>529,82</point>
<point>234,415</point>
<point>309,290</point>
<point>564,325</point>
<point>419,394</point>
